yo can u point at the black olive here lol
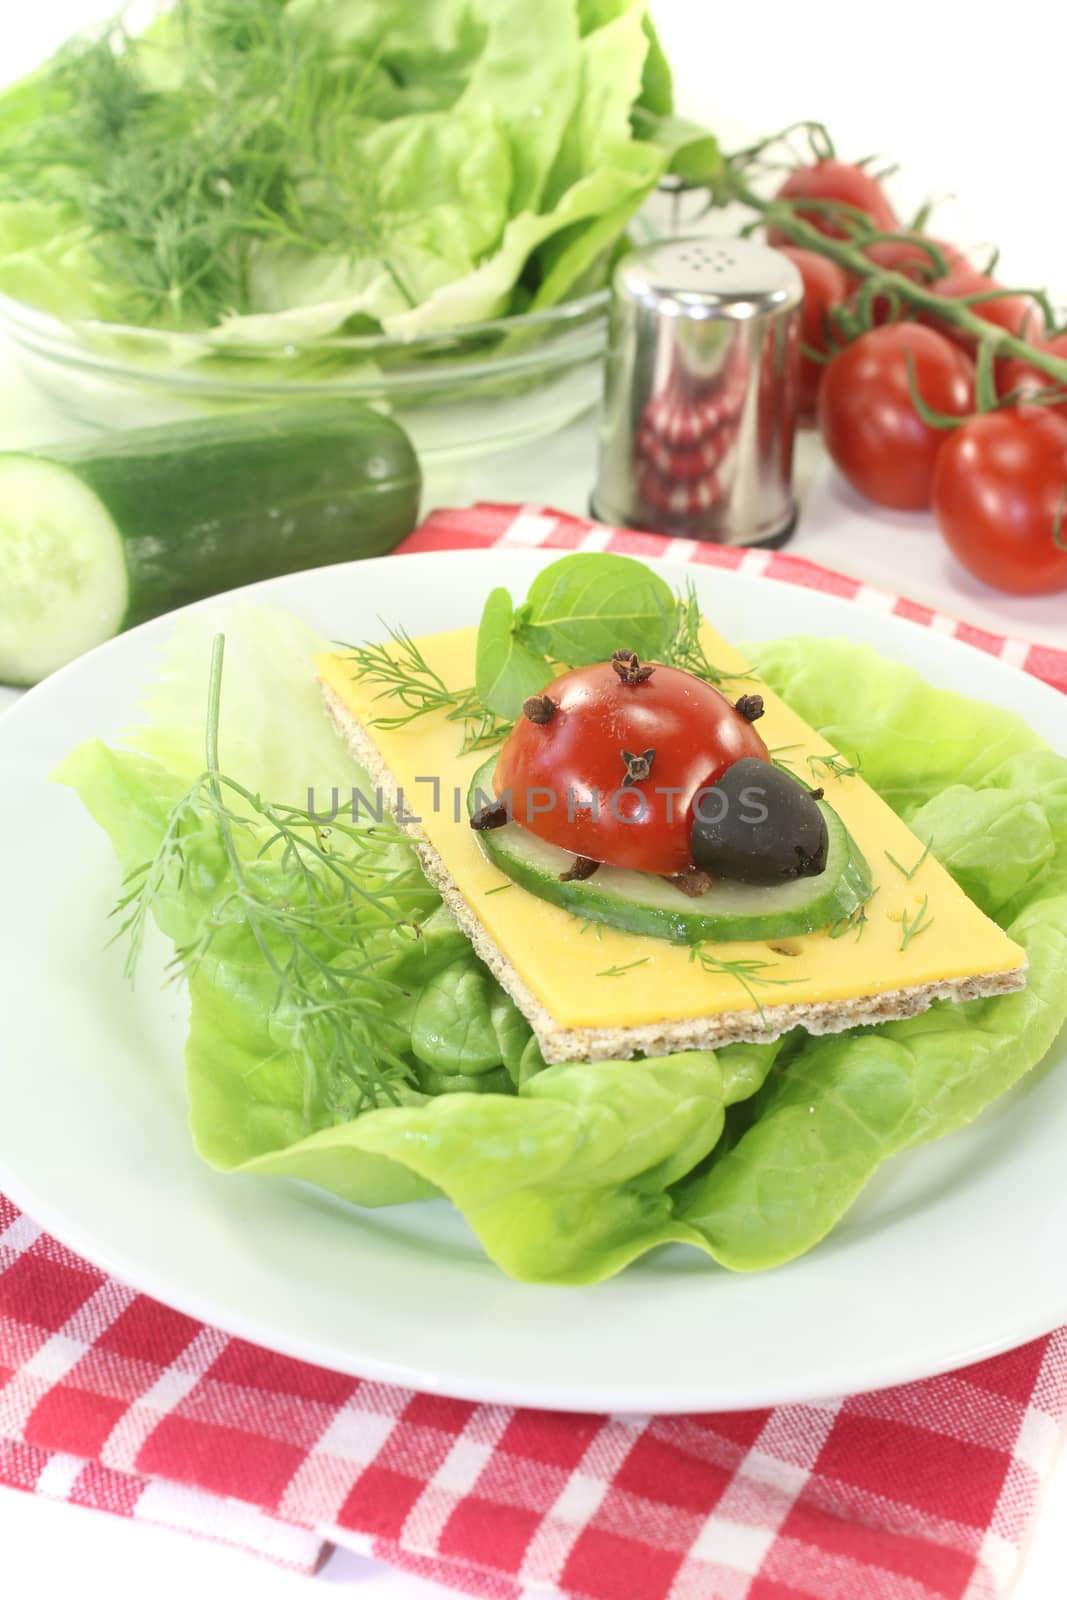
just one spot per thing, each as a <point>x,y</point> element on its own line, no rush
<point>758,825</point>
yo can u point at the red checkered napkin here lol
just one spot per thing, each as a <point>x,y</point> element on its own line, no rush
<point>110,1399</point>
<point>923,1492</point>
<point>523,527</point>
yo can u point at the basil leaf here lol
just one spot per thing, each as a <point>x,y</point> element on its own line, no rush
<point>585,606</point>
<point>506,671</point>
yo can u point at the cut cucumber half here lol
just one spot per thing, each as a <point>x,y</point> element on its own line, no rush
<point>63,583</point>
<point>639,902</point>
<point>101,534</point>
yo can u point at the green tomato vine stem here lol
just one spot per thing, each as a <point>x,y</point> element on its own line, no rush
<point>848,253</point>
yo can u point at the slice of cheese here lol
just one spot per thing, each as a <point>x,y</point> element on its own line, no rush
<point>565,974</point>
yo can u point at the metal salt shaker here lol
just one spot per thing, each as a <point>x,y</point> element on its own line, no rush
<point>700,395</point>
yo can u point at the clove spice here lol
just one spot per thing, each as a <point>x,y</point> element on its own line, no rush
<point>539,708</point>
<point>638,768</point>
<point>627,665</point>
<point>581,867</point>
<point>751,707</point>
<point>493,815</point>
<point>693,882</point>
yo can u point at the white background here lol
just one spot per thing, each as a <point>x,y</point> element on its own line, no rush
<point>971,105</point>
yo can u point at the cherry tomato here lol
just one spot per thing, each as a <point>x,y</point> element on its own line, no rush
<point>1015,313</point>
<point>555,769</point>
<point>825,286</point>
<point>1017,374</point>
<point>869,423</point>
<point>998,497</point>
<point>908,257</point>
<point>834,181</point>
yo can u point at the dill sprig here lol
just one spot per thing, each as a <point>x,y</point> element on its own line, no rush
<point>855,922</point>
<point>686,647</point>
<point>626,966</point>
<point>748,972</point>
<point>835,765</point>
<point>783,762</point>
<point>912,927</point>
<point>317,916</point>
<point>401,672</point>
<point>180,176</point>
<point>909,872</point>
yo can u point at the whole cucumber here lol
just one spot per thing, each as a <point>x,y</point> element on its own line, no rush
<point>100,535</point>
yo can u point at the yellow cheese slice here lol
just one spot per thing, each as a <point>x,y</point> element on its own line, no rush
<point>573,968</point>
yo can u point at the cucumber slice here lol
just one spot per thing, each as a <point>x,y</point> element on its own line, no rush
<point>63,582</point>
<point>639,902</point>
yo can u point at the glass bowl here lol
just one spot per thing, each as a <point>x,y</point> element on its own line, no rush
<point>459,393</point>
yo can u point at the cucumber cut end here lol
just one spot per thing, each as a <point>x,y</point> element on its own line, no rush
<point>63,580</point>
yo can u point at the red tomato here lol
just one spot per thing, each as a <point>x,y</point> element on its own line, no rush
<point>1015,313</point>
<point>908,257</point>
<point>556,769</point>
<point>834,181</point>
<point>1017,374</point>
<point>825,286</point>
<point>870,426</point>
<point>998,494</point>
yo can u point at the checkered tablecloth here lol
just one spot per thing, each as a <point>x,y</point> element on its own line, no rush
<point>923,1492</point>
<point>538,527</point>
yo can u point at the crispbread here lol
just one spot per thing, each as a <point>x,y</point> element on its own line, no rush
<point>754,1025</point>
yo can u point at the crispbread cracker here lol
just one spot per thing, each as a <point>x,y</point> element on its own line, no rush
<point>753,1025</point>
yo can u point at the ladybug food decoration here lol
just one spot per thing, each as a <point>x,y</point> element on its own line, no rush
<point>644,766</point>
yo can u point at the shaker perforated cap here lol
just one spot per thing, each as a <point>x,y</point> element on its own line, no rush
<point>711,278</point>
<point>700,393</point>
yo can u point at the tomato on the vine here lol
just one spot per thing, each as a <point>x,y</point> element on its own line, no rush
<point>908,257</point>
<point>825,286</point>
<point>1018,376</point>
<point>869,423</point>
<point>840,183</point>
<point>682,728</point>
<point>1000,492</point>
<point>1014,313</point>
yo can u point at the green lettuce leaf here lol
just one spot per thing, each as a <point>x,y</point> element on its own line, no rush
<point>47,260</point>
<point>436,203</point>
<point>273,728</point>
<point>693,153</point>
<point>914,741</point>
<point>997,843</point>
<point>387,165</point>
<point>567,1182</point>
<point>618,188</point>
<point>839,1107</point>
<point>567,1173</point>
<point>462,1022</point>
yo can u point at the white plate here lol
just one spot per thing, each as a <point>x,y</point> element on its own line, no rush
<point>955,1252</point>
